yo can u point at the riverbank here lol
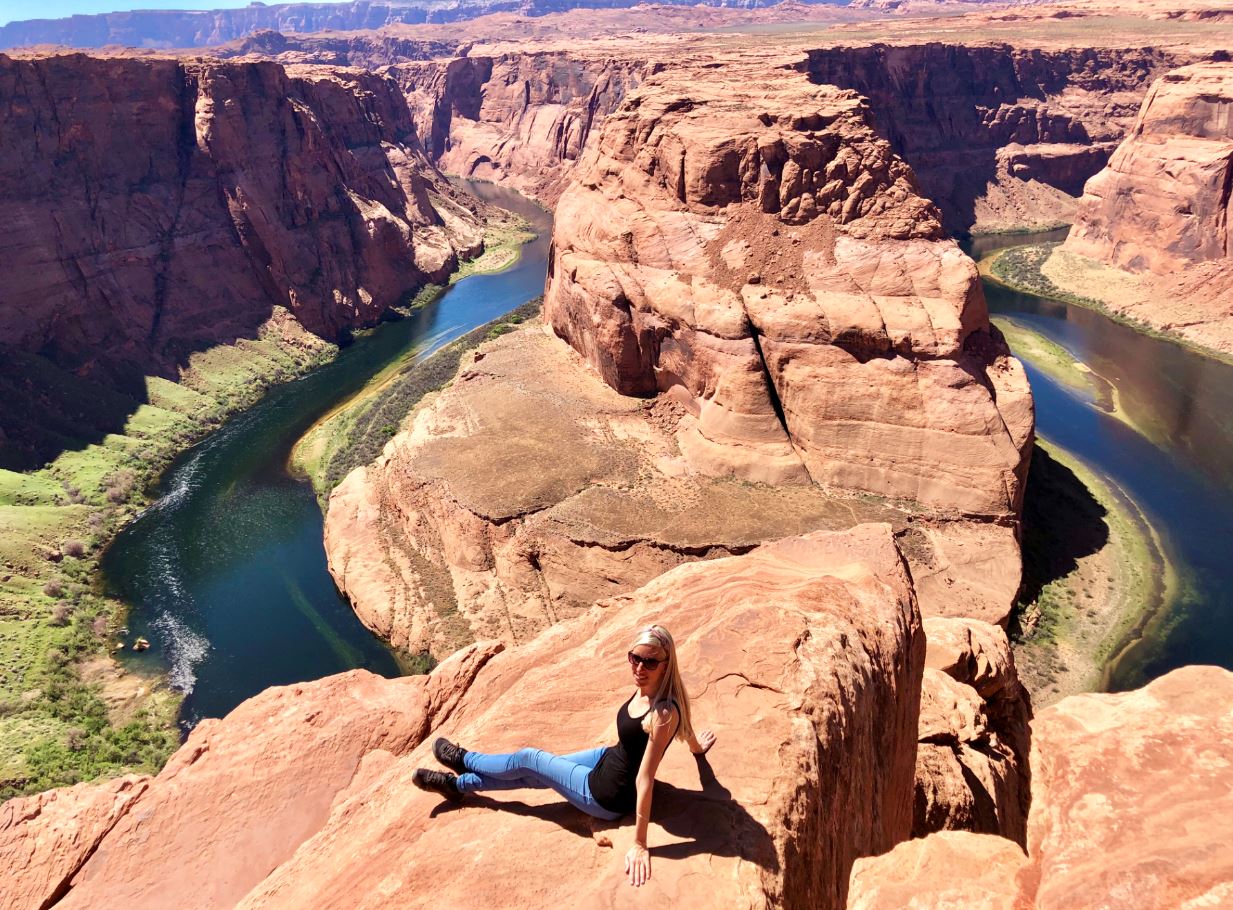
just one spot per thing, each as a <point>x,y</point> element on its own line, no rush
<point>1047,270</point>
<point>68,711</point>
<point>1094,570</point>
<point>354,431</point>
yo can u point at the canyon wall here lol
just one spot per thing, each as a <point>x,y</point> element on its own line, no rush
<point>150,208</point>
<point>804,656</point>
<point>520,119</point>
<point>769,335</point>
<point>998,136</point>
<point>1130,806</point>
<point>1151,239</point>
<point>1164,203</point>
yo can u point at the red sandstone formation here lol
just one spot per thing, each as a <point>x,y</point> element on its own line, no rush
<point>457,531</point>
<point>999,136</point>
<point>1130,805</point>
<point>1161,210</point>
<point>972,763</point>
<point>152,207</point>
<point>805,656</point>
<point>753,250</point>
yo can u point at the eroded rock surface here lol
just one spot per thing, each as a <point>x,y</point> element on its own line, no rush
<point>1161,210</point>
<point>805,656</point>
<point>972,764</point>
<point>1130,804</point>
<point>529,489</point>
<point>752,249</point>
<point>150,208</point>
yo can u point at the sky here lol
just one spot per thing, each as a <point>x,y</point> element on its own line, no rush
<point>11,10</point>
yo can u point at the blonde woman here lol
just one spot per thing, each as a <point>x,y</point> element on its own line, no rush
<point>609,781</point>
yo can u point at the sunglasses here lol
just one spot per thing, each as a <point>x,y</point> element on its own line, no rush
<point>651,663</point>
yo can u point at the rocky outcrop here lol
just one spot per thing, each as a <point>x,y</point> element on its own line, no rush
<point>250,188</point>
<point>998,136</point>
<point>808,651</point>
<point>1151,238</point>
<point>751,249</point>
<point>458,532</point>
<point>519,119</point>
<point>1164,202</point>
<point>972,762</point>
<point>1130,802</point>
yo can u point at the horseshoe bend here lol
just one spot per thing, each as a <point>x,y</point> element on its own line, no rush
<point>369,382</point>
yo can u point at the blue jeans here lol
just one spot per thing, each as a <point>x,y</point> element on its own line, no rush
<point>535,768</point>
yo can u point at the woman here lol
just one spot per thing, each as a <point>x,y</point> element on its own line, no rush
<point>607,782</point>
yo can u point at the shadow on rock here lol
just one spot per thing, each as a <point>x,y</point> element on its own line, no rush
<point>1062,523</point>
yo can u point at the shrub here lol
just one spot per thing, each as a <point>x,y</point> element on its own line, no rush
<point>60,614</point>
<point>74,548</point>
<point>99,626</point>
<point>75,739</point>
<point>53,589</point>
<point>119,485</point>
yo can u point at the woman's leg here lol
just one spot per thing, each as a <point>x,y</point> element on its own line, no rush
<point>535,768</point>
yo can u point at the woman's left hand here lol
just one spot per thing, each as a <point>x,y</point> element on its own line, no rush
<point>638,865</point>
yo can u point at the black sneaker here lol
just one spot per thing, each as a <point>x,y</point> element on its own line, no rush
<point>449,754</point>
<point>437,782</point>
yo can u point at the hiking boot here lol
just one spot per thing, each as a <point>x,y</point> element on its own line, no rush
<point>450,754</point>
<point>437,782</point>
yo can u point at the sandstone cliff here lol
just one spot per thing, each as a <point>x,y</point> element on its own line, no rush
<point>773,327</point>
<point>1130,805</point>
<point>150,208</point>
<point>1161,210</point>
<point>805,656</point>
<point>752,249</point>
<point>998,136</point>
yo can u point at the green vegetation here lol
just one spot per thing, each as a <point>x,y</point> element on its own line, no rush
<point>67,712</point>
<point>354,433</point>
<point>1093,568</point>
<point>1048,356</point>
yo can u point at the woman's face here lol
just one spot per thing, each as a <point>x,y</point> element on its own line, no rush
<point>642,675</point>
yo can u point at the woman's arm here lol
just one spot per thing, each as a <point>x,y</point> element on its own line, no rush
<point>638,860</point>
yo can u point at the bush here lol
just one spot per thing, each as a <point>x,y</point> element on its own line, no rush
<point>119,485</point>
<point>74,548</point>
<point>61,614</point>
<point>99,626</point>
<point>53,589</point>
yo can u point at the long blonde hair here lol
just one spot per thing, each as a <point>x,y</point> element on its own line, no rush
<point>671,688</point>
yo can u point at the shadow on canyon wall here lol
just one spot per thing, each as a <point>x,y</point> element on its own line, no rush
<point>1062,523</point>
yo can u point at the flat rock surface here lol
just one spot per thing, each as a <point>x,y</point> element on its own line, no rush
<point>529,489</point>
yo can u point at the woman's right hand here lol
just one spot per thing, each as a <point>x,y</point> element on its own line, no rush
<point>702,743</point>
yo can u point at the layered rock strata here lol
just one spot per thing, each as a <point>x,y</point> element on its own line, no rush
<point>972,769</point>
<point>751,249</point>
<point>808,651</point>
<point>250,188</point>
<point>1000,137</point>
<point>1130,803</point>
<point>529,489</point>
<point>519,119</point>
<point>1161,210</point>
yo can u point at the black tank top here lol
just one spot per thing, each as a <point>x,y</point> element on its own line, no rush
<point>613,780</point>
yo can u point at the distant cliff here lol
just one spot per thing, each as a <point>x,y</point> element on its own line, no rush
<point>202,28</point>
<point>151,208</point>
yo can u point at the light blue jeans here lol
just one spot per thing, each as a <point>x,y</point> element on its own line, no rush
<point>535,768</point>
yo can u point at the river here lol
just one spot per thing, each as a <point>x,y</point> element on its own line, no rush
<point>1176,463</point>
<point>225,573</point>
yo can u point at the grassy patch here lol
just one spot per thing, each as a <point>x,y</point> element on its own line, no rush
<point>1047,356</point>
<point>355,432</point>
<point>58,724</point>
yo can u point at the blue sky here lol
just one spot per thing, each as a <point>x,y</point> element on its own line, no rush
<point>11,10</point>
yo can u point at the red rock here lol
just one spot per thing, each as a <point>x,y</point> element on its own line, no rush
<point>46,838</point>
<point>972,769</point>
<point>805,656</point>
<point>243,793</point>
<point>951,870</point>
<point>860,358</point>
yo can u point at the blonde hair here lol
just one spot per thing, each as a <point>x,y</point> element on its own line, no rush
<point>671,688</point>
